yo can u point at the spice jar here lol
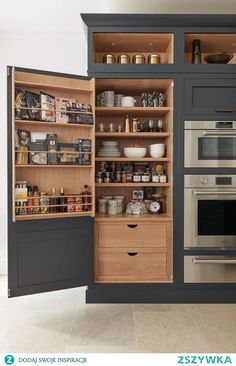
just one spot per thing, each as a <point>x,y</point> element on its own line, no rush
<point>44,203</point>
<point>154,59</point>
<point>70,204</point>
<point>138,59</point>
<point>123,59</point>
<point>112,207</point>
<point>109,59</point>
<point>136,177</point>
<point>78,203</point>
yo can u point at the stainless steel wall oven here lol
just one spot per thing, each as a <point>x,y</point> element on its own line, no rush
<point>210,144</point>
<point>210,211</point>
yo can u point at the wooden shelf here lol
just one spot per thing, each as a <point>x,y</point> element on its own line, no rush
<point>137,135</point>
<point>137,111</point>
<point>133,184</point>
<point>53,215</point>
<point>54,124</point>
<point>53,166</point>
<point>126,218</point>
<point>38,85</point>
<point>130,159</point>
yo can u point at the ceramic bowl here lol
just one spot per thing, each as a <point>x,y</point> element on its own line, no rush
<point>135,152</point>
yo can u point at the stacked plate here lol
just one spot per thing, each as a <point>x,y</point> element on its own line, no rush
<point>109,149</point>
<point>157,150</point>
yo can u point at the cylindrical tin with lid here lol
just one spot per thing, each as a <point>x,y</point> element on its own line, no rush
<point>124,59</point>
<point>109,59</point>
<point>154,59</point>
<point>112,207</point>
<point>139,59</point>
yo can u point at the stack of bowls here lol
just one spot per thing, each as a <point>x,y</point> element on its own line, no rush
<point>109,149</point>
<point>157,150</point>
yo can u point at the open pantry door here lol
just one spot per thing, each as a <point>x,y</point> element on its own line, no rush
<point>50,181</point>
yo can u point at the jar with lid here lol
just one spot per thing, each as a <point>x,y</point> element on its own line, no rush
<point>134,124</point>
<point>44,203</point>
<point>155,176</point>
<point>154,59</point>
<point>124,59</point>
<point>70,204</point>
<point>163,178</point>
<point>120,203</point>
<point>112,207</point>
<point>137,178</point>
<point>102,206</point>
<point>145,177</point>
<point>109,59</point>
<point>139,59</point>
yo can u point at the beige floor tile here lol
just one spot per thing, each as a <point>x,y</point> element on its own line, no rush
<point>103,328</point>
<point>218,327</point>
<point>167,332</point>
<point>160,307</point>
<point>211,308</point>
<point>38,332</point>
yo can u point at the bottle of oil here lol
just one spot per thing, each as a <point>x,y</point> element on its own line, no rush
<point>36,200</point>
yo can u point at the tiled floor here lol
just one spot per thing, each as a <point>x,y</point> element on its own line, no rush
<point>62,322</point>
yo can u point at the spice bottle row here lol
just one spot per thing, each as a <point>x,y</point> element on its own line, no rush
<point>29,200</point>
<point>41,148</point>
<point>138,172</point>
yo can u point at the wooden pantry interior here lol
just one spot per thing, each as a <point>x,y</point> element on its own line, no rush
<point>121,257</point>
<point>141,251</point>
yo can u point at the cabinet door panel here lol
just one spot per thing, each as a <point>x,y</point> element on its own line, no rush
<point>50,259</point>
<point>210,96</point>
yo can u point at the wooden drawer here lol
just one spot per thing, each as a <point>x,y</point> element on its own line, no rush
<point>132,265</point>
<point>131,235</point>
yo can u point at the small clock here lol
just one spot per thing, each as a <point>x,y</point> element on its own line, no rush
<point>154,207</point>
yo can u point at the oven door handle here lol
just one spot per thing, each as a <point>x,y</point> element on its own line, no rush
<point>220,193</point>
<point>219,133</point>
<point>213,261</point>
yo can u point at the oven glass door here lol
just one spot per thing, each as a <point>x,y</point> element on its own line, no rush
<point>216,148</point>
<point>210,219</point>
<point>209,148</point>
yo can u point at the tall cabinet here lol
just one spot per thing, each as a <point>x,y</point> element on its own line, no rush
<point>122,257</point>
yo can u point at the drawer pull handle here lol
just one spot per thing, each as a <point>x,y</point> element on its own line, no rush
<point>224,110</point>
<point>132,254</point>
<point>131,226</point>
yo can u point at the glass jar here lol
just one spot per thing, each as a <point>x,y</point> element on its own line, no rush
<point>136,178</point>
<point>78,203</point>
<point>71,204</point>
<point>44,203</point>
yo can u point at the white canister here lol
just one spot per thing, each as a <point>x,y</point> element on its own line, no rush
<point>112,207</point>
<point>120,203</point>
<point>107,197</point>
<point>127,102</point>
<point>102,206</point>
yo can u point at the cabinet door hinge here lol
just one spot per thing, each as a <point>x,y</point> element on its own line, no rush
<point>9,292</point>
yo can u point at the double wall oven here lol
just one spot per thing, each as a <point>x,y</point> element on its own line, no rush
<point>210,201</point>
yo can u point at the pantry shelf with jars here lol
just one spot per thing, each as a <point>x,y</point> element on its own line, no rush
<point>52,130</point>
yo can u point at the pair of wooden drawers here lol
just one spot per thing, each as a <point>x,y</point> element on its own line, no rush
<point>133,252</point>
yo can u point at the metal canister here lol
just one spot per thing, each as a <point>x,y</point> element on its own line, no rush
<point>124,59</point>
<point>154,59</point>
<point>109,59</point>
<point>139,59</point>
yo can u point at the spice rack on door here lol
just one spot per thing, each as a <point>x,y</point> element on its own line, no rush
<point>71,177</point>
